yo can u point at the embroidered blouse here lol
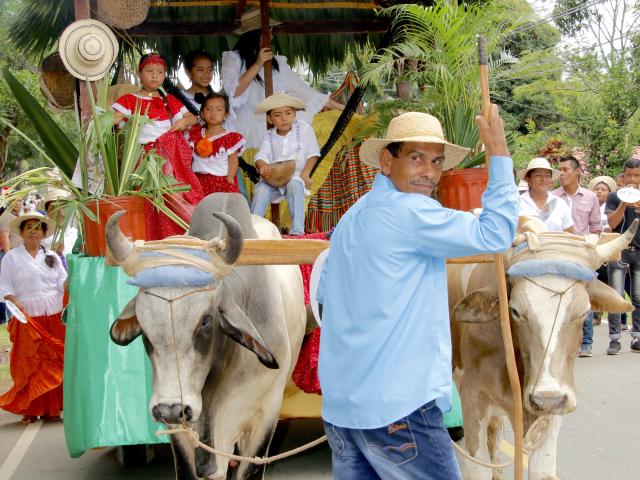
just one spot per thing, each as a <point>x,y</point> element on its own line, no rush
<point>250,124</point>
<point>223,144</point>
<point>155,109</point>
<point>37,286</point>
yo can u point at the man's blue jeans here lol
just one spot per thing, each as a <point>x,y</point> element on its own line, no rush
<point>416,447</point>
<point>264,194</point>
<point>630,260</point>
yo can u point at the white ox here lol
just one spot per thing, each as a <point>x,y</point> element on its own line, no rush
<point>547,313</point>
<point>236,343</point>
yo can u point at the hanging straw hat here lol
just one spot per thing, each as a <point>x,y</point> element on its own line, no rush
<point>250,21</point>
<point>88,48</point>
<point>279,100</point>
<point>542,163</point>
<point>608,181</point>
<point>413,127</point>
<point>56,83</point>
<point>14,226</point>
<point>122,14</point>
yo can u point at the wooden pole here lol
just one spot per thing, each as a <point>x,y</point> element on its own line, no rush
<point>82,10</point>
<point>507,338</point>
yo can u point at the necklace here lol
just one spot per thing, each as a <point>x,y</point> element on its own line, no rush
<point>149,92</point>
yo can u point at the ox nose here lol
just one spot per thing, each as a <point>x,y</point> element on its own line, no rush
<point>548,401</point>
<point>173,413</point>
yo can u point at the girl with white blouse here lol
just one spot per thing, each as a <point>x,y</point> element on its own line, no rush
<point>33,279</point>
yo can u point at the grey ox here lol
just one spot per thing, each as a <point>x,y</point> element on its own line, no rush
<point>547,312</point>
<point>237,343</point>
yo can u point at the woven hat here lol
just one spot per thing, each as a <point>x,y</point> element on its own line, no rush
<point>250,21</point>
<point>54,193</point>
<point>14,226</point>
<point>539,163</point>
<point>523,186</point>
<point>608,181</point>
<point>279,100</point>
<point>56,83</point>
<point>88,48</point>
<point>413,127</point>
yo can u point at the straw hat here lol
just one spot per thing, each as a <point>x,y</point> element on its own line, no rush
<point>54,193</point>
<point>88,48</point>
<point>523,186</point>
<point>14,226</point>
<point>279,100</point>
<point>539,163</point>
<point>413,127</point>
<point>608,181</point>
<point>250,21</point>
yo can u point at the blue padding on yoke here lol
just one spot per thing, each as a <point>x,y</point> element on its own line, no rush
<point>563,268</point>
<point>173,275</point>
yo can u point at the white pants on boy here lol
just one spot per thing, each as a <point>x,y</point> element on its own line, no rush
<point>264,194</point>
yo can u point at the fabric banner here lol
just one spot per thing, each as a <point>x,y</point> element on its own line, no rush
<point>106,387</point>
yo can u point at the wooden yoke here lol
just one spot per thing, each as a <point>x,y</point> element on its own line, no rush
<point>507,338</point>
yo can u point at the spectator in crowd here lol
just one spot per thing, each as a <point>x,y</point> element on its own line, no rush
<point>33,279</point>
<point>8,241</point>
<point>585,212</point>
<point>538,202</point>
<point>620,215</point>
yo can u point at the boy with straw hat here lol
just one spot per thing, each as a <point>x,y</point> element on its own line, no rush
<point>385,349</point>
<point>286,156</point>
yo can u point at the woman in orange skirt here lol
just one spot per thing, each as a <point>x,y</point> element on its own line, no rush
<point>33,279</point>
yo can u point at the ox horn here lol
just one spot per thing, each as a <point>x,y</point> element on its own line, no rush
<point>235,238</point>
<point>612,249</point>
<point>118,244</point>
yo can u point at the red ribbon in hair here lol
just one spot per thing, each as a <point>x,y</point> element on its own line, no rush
<point>152,58</point>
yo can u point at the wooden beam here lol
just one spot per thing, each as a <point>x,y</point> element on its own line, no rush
<point>242,6</point>
<point>293,27</point>
<point>256,3</point>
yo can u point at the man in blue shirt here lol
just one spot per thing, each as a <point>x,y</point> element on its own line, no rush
<point>385,348</point>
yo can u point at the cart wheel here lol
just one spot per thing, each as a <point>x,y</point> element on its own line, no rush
<point>132,456</point>
<point>456,433</point>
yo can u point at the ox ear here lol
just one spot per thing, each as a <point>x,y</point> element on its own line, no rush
<point>479,306</point>
<point>603,298</point>
<point>238,327</point>
<point>126,327</point>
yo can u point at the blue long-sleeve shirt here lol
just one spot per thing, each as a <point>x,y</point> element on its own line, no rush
<point>385,347</point>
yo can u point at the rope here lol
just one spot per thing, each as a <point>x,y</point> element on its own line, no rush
<point>532,440</point>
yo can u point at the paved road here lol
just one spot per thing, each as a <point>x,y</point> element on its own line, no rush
<point>598,441</point>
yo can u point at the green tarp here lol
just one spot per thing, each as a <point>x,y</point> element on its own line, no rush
<point>106,387</point>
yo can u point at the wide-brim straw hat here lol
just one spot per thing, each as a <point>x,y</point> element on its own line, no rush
<point>250,21</point>
<point>608,181</point>
<point>542,163</point>
<point>88,48</point>
<point>14,226</point>
<point>279,100</point>
<point>53,194</point>
<point>413,127</point>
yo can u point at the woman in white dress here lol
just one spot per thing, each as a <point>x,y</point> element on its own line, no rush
<point>539,202</point>
<point>243,82</point>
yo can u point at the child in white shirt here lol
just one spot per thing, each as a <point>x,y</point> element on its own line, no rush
<point>291,139</point>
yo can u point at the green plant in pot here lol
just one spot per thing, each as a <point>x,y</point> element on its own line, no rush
<point>107,170</point>
<point>436,51</point>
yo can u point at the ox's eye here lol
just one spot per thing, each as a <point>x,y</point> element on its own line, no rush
<point>514,313</point>
<point>206,321</point>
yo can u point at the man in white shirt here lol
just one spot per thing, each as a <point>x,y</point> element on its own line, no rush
<point>290,140</point>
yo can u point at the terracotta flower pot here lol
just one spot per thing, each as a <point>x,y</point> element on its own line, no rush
<point>132,223</point>
<point>463,189</point>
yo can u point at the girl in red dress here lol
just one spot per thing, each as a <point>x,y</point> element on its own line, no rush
<point>215,150</point>
<point>169,118</point>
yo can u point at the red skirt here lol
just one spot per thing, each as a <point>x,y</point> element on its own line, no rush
<point>36,364</point>
<point>174,148</point>
<point>214,183</point>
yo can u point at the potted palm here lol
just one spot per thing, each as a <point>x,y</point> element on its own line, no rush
<point>108,170</point>
<point>440,40</point>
